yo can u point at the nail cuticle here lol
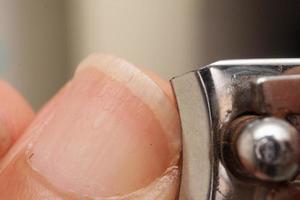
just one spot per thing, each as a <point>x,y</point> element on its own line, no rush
<point>153,191</point>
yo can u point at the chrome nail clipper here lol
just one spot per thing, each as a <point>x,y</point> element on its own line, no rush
<point>240,129</point>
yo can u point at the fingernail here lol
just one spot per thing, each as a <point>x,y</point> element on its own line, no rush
<point>113,133</point>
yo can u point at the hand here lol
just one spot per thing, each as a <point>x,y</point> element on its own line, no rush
<point>112,132</point>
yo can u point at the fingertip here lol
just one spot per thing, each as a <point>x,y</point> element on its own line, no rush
<point>113,133</point>
<point>15,115</point>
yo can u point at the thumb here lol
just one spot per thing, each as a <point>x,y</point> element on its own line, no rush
<point>113,133</point>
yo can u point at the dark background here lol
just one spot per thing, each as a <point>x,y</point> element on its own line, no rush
<point>252,29</point>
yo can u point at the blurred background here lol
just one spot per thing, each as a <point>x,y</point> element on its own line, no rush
<point>41,42</point>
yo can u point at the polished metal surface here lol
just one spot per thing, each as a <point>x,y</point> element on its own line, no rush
<point>198,158</point>
<point>209,100</point>
<point>269,149</point>
<point>277,95</point>
<point>268,61</point>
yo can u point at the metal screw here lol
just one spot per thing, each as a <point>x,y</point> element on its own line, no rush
<point>269,149</point>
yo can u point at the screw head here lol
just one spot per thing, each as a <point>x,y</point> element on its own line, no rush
<point>269,149</point>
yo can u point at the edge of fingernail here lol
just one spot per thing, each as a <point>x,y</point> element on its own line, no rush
<point>133,77</point>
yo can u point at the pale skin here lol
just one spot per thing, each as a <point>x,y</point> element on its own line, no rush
<point>111,133</point>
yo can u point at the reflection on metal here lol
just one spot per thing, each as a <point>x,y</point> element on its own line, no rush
<point>268,149</point>
<point>211,101</point>
<point>268,92</point>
